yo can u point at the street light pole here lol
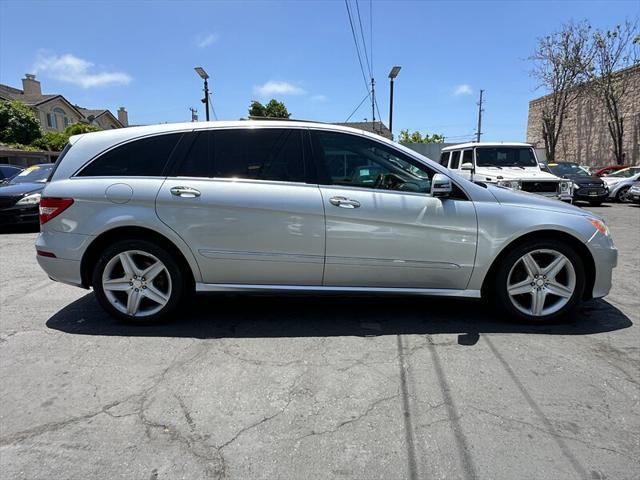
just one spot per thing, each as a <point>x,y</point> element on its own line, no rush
<point>392,75</point>
<point>205,76</point>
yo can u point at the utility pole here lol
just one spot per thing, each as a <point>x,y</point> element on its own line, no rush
<point>373,104</point>
<point>479,132</point>
<point>194,114</point>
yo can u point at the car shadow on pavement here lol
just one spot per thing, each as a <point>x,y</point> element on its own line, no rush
<point>257,316</point>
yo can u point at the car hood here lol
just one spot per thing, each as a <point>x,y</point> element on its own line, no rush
<point>581,179</point>
<point>495,174</point>
<point>508,196</point>
<point>20,189</point>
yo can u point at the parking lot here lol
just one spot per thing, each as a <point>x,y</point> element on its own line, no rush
<point>317,387</point>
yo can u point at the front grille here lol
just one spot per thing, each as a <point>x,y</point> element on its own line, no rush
<point>540,187</point>
<point>592,185</point>
<point>8,201</point>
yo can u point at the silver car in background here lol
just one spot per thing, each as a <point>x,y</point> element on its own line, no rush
<point>146,215</point>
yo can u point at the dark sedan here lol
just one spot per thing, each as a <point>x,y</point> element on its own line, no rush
<point>586,187</point>
<point>7,172</point>
<point>20,197</point>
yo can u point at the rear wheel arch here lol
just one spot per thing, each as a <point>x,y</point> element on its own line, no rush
<point>131,233</point>
<point>575,243</point>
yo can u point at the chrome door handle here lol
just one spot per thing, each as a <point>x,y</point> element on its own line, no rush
<point>185,192</point>
<point>344,202</point>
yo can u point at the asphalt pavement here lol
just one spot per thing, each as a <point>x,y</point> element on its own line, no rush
<point>277,387</point>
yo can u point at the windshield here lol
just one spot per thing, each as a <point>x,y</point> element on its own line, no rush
<point>505,157</point>
<point>627,172</point>
<point>562,169</point>
<point>35,174</point>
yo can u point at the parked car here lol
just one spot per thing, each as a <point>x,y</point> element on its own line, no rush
<point>634,193</point>
<point>145,215</point>
<point>20,197</point>
<point>609,169</point>
<point>586,188</point>
<point>619,183</point>
<point>7,172</point>
<point>512,165</point>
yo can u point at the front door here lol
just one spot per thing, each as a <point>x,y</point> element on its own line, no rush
<point>240,201</point>
<point>384,229</point>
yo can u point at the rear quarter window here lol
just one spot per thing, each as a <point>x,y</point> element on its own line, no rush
<point>146,157</point>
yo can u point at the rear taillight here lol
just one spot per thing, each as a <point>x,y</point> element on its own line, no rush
<point>52,207</point>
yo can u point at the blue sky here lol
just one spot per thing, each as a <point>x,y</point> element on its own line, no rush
<point>141,54</point>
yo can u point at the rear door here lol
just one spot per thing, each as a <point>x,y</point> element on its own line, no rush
<point>243,201</point>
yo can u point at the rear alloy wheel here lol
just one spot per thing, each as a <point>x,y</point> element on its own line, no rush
<point>540,282</point>
<point>137,281</point>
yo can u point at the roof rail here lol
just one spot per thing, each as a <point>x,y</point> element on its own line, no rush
<point>253,117</point>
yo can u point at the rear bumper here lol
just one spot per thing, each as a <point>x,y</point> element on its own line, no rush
<point>68,249</point>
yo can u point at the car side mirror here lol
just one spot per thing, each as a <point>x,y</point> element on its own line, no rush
<point>441,186</point>
<point>467,166</point>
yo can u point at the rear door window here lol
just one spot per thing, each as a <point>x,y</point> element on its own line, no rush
<point>444,159</point>
<point>260,154</point>
<point>455,160</point>
<point>146,157</point>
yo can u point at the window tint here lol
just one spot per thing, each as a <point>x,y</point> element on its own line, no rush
<point>359,162</point>
<point>146,157</point>
<point>467,156</point>
<point>444,159</point>
<point>261,154</point>
<point>455,160</point>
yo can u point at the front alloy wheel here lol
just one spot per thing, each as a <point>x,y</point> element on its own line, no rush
<point>540,281</point>
<point>137,281</point>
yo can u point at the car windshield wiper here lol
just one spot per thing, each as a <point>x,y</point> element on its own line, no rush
<point>490,165</point>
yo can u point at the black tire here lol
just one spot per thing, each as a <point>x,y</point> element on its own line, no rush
<point>595,203</point>
<point>503,300</point>
<point>177,282</point>
<point>621,196</point>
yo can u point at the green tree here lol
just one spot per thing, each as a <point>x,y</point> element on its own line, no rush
<point>18,123</point>
<point>78,128</point>
<point>417,137</point>
<point>54,141</point>
<point>273,109</point>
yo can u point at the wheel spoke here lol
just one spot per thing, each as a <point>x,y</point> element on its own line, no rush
<point>520,287</point>
<point>117,284</point>
<point>133,302</point>
<point>531,265</point>
<point>537,301</point>
<point>128,265</point>
<point>152,293</point>
<point>555,267</point>
<point>559,290</point>
<point>153,271</point>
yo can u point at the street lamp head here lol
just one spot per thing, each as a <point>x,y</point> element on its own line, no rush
<point>200,71</point>
<point>394,72</point>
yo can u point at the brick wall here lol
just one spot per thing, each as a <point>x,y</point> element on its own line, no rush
<point>585,137</point>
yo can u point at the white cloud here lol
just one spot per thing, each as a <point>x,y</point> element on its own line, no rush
<point>463,89</point>
<point>318,98</point>
<point>206,40</point>
<point>71,69</point>
<point>273,87</point>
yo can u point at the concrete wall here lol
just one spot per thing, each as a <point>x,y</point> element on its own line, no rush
<point>429,150</point>
<point>585,137</point>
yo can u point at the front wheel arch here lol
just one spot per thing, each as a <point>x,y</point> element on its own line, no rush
<point>580,248</point>
<point>131,233</point>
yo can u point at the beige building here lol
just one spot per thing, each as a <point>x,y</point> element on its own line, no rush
<point>585,136</point>
<point>55,112</point>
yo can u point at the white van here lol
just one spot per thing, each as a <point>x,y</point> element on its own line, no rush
<point>512,165</point>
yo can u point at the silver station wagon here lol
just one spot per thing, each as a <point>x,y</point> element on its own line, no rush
<point>147,215</point>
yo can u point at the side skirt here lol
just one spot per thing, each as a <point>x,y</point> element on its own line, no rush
<point>436,292</point>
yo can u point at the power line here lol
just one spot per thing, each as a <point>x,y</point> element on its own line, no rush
<point>356,109</point>
<point>364,45</point>
<point>355,41</point>
<point>215,115</point>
